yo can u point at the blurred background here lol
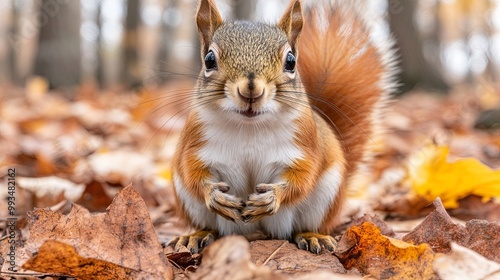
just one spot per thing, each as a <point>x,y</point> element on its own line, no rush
<point>117,75</point>
<point>146,43</point>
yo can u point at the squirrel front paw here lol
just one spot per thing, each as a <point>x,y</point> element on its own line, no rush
<point>263,203</point>
<point>222,203</point>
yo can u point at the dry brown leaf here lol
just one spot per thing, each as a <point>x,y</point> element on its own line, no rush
<point>324,275</point>
<point>124,235</point>
<point>229,258</point>
<point>55,257</point>
<point>473,207</point>
<point>184,260</point>
<point>366,249</point>
<point>462,263</point>
<point>283,256</point>
<point>438,230</point>
<point>484,238</point>
<point>94,197</point>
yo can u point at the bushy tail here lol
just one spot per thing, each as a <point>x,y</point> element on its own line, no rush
<point>346,72</point>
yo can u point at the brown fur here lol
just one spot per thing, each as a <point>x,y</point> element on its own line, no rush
<point>342,72</point>
<point>347,90</point>
<point>350,88</point>
<point>188,166</point>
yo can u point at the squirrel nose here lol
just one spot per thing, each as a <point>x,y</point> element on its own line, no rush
<point>250,96</point>
<point>250,89</point>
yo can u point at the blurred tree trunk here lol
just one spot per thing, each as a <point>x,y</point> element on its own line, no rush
<point>416,70</point>
<point>59,54</point>
<point>169,23</point>
<point>435,39</point>
<point>6,50</point>
<point>183,57</point>
<point>130,72</point>
<point>99,46</point>
<point>14,53</point>
<point>490,72</point>
<point>244,9</point>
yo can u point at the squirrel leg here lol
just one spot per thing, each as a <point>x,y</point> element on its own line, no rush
<point>313,242</point>
<point>195,242</point>
<point>220,202</point>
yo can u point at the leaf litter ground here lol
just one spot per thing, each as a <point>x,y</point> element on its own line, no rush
<point>88,149</point>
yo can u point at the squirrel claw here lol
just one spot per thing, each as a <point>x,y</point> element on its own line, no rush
<point>224,204</point>
<point>194,242</point>
<point>260,204</point>
<point>314,242</point>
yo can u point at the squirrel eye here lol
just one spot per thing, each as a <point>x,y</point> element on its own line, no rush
<point>290,62</point>
<point>210,62</point>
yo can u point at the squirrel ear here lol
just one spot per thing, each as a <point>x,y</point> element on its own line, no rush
<point>208,19</point>
<point>291,22</point>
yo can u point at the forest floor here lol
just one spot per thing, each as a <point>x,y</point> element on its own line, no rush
<point>86,193</point>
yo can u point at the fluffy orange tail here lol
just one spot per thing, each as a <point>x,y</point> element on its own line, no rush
<point>346,73</point>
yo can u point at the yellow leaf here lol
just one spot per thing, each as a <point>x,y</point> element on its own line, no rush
<point>432,176</point>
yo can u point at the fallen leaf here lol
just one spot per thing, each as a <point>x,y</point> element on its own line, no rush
<point>184,260</point>
<point>124,235</point>
<point>377,221</point>
<point>120,165</point>
<point>45,166</point>
<point>229,258</point>
<point>432,176</point>
<point>462,263</point>
<point>286,257</point>
<point>366,249</point>
<point>484,238</point>
<point>439,231</point>
<point>472,207</point>
<point>51,190</point>
<point>94,198</point>
<point>400,204</point>
<point>325,275</point>
<point>58,258</point>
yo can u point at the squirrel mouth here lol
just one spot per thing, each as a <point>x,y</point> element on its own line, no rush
<point>249,113</point>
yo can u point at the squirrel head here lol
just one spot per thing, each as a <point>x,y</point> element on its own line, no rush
<point>250,66</point>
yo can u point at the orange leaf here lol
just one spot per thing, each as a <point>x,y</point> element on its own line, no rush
<point>372,253</point>
<point>60,258</point>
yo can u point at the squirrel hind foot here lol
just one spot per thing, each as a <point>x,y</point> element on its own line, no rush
<point>315,242</point>
<point>194,242</point>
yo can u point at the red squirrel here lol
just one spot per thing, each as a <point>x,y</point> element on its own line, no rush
<point>280,120</point>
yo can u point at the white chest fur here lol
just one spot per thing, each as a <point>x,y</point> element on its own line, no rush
<point>244,155</point>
